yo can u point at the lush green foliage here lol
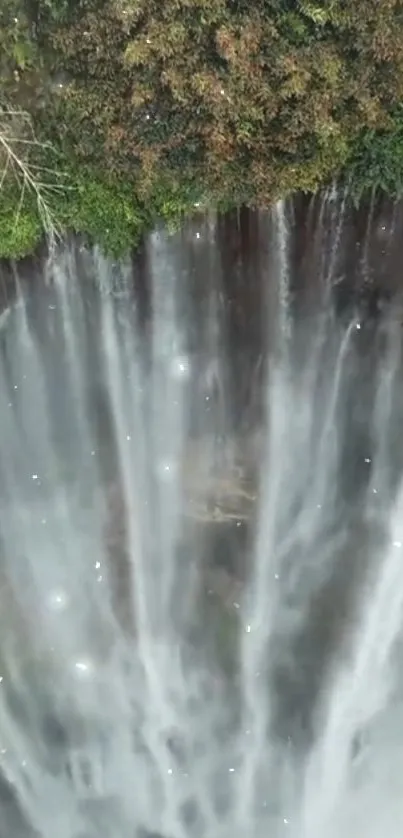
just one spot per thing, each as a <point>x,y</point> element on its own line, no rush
<point>20,227</point>
<point>153,107</point>
<point>105,209</point>
<point>376,160</point>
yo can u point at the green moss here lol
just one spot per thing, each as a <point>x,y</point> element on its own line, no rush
<point>20,226</point>
<point>107,211</point>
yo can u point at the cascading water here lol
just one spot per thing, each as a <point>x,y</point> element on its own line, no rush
<point>201,602</point>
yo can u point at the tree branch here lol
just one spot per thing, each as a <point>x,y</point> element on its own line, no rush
<point>16,149</point>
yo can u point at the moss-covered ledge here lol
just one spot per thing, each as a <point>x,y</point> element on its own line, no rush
<point>124,112</point>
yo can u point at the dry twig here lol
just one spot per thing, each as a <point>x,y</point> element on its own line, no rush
<point>18,144</point>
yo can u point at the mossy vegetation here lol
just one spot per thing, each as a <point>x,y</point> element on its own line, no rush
<point>376,160</point>
<point>20,226</point>
<point>142,109</point>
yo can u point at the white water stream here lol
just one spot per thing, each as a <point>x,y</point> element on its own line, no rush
<point>143,692</point>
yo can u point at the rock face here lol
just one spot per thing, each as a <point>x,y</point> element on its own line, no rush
<point>226,488</point>
<point>219,484</point>
<point>218,507</point>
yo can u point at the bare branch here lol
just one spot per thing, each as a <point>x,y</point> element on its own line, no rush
<point>15,149</point>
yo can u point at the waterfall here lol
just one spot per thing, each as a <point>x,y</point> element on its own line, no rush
<point>200,635</point>
<point>283,269</point>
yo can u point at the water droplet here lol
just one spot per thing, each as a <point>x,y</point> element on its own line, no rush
<point>236,604</point>
<point>58,600</point>
<point>1,678</point>
<point>276,576</point>
<point>35,477</point>
<point>358,325</point>
<point>83,667</point>
<point>15,386</point>
<point>397,543</point>
<point>180,367</point>
<point>248,629</point>
<point>100,578</point>
<point>97,565</point>
<point>128,437</point>
<point>285,820</point>
<point>197,235</point>
<point>367,459</point>
<point>231,770</point>
<point>92,453</point>
<point>3,750</point>
<point>167,471</point>
<point>170,771</point>
<point>239,523</point>
<point>375,491</point>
